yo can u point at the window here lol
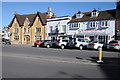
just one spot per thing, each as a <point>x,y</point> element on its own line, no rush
<point>15,30</point>
<point>16,37</point>
<point>93,24</point>
<point>80,15</point>
<point>64,28</point>
<point>51,27</point>
<point>74,25</point>
<point>27,30</point>
<point>94,14</point>
<point>105,23</point>
<point>24,30</point>
<point>37,37</point>
<point>38,30</point>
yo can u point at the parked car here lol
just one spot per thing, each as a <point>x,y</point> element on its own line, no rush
<point>96,45</point>
<point>38,43</point>
<point>114,44</point>
<point>78,43</point>
<point>6,41</point>
<point>49,43</point>
<point>62,43</point>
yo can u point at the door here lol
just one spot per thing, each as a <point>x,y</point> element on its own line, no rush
<point>27,40</point>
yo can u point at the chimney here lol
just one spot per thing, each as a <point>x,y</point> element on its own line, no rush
<point>54,15</point>
<point>49,9</point>
<point>16,12</point>
<point>49,13</point>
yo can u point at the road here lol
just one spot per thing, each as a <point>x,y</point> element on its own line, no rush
<point>24,61</point>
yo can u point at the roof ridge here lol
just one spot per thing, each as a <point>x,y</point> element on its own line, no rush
<point>27,14</point>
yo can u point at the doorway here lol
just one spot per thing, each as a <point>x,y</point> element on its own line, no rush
<point>27,39</point>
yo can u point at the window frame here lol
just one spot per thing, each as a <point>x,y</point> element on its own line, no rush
<point>93,24</point>
<point>75,25</point>
<point>16,37</point>
<point>105,23</point>
<point>40,37</point>
<point>16,30</point>
<point>36,31</point>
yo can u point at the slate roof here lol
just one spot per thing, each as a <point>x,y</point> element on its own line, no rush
<point>31,17</point>
<point>103,15</point>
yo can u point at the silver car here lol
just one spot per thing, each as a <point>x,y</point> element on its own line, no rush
<point>114,44</point>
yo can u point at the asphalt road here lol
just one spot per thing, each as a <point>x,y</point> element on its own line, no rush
<point>21,61</point>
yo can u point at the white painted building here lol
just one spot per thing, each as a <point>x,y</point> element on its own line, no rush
<point>5,33</point>
<point>57,27</point>
<point>95,25</point>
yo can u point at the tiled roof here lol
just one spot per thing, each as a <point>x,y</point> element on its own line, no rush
<point>43,17</point>
<point>31,18</point>
<point>103,15</point>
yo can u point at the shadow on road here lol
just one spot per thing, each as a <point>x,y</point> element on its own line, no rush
<point>110,66</point>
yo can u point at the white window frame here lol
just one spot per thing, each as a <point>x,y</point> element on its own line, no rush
<point>103,23</point>
<point>75,25</point>
<point>94,14</point>
<point>93,24</point>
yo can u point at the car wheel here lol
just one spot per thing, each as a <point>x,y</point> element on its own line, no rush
<point>81,47</point>
<point>37,45</point>
<point>62,46</point>
<point>48,46</point>
<point>98,48</point>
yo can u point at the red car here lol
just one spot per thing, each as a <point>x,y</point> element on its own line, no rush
<point>38,43</point>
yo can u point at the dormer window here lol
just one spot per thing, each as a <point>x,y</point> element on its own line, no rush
<point>94,13</point>
<point>79,15</point>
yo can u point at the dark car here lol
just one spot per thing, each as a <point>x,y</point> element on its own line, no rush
<point>6,41</point>
<point>49,43</point>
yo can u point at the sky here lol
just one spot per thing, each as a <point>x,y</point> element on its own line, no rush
<point>60,8</point>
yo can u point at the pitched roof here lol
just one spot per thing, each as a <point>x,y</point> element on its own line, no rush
<point>103,15</point>
<point>43,17</point>
<point>31,17</point>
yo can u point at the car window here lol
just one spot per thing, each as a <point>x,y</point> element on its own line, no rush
<point>94,41</point>
<point>101,42</point>
<point>64,40</point>
<point>73,39</point>
<point>113,42</point>
<point>39,41</point>
<point>79,40</point>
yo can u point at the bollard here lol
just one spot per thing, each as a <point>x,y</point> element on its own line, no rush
<point>100,56</point>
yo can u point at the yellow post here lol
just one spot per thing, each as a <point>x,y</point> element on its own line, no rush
<point>100,56</point>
